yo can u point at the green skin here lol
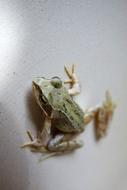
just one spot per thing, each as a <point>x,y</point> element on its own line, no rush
<point>61,104</point>
<point>57,104</point>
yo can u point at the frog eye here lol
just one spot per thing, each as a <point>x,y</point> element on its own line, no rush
<point>56,82</point>
<point>42,99</point>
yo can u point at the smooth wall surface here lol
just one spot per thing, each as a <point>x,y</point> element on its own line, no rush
<point>36,39</point>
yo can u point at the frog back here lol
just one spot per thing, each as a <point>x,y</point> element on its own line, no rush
<point>67,115</point>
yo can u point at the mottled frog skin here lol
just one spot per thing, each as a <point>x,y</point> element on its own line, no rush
<point>65,111</point>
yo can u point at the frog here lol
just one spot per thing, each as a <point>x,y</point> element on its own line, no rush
<point>64,118</point>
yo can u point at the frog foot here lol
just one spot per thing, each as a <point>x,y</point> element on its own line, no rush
<point>35,144</point>
<point>73,80</point>
<point>108,104</point>
<point>104,115</point>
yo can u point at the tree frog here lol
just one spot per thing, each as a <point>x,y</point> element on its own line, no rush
<point>64,118</point>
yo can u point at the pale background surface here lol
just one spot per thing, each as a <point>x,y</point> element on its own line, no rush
<point>36,39</point>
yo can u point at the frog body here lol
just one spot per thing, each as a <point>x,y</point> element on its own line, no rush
<point>66,114</point>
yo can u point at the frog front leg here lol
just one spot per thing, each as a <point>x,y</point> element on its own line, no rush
<point>73,81</point>
<point>38,144</point>
<point>63,143</point>
<point>102,115</point>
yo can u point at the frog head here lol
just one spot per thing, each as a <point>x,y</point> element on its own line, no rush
<point>43,87</point>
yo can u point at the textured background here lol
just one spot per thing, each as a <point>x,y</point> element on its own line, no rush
<point>37,37</point>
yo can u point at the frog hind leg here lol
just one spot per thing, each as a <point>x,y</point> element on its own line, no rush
<point>104,116</point>
<point>61,143</point>
<point>101,115</point>
<point>73,81</point>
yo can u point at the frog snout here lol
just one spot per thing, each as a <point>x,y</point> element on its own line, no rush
<point>37,80</point>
